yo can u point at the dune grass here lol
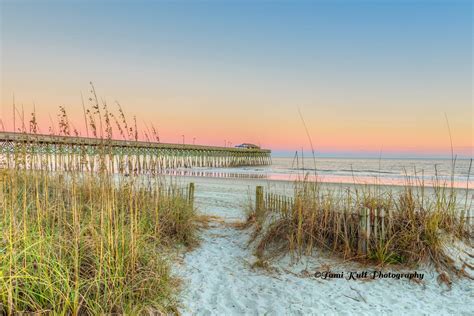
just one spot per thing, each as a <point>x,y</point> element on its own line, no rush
<point>78,237</point>
<point>87,244</point>
<point>418,223</point>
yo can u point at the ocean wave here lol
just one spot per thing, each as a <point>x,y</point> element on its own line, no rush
<point>345,170</point>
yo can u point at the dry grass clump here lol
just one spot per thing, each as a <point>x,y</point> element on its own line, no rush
<point>87,244</point>
<point>408,226</point>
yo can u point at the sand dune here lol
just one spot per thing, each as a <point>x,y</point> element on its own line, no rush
<point>219,280</point>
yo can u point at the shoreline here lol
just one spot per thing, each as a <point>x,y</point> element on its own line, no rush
<point>326,185</point>
<point>428,181</point>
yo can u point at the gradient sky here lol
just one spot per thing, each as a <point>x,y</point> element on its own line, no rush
<point>366,75</point>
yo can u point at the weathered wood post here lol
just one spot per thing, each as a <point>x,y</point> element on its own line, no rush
<point>388,232</point>
<point>376,224</point>
<point>382,224</point>
<point>191,194</point>
<point>2,176</point>
<point>259,203</point>
<point>467,218</point>
<point>364,221</point>
<point>368,230</point>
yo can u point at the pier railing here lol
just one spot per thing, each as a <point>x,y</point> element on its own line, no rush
<point>92,154</point>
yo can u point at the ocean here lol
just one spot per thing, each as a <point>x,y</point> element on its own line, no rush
<point>351,170</point>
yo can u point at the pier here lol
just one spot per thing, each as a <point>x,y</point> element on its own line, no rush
<point>56,153</point>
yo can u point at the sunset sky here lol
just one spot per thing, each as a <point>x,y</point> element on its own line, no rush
<point>368,76</point>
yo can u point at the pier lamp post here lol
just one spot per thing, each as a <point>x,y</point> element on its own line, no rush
<point>194,140</point>
<point>183,138</point>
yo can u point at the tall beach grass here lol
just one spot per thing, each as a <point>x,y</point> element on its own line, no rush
<point>409,225</point>
<point>87,243</point>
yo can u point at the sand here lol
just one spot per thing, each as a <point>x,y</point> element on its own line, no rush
<point>218,278</point>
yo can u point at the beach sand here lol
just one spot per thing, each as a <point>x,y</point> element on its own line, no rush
<point>218,278</point>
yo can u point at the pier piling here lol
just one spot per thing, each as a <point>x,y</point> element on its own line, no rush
<point>74,153</point>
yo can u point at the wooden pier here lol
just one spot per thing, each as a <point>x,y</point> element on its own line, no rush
<point>82,154</point>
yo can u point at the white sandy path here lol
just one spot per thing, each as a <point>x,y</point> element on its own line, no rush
<point>218,279</point>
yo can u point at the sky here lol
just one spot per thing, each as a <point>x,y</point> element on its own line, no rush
<point>368,77</point>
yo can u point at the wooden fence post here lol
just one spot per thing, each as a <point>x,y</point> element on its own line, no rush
<point>468,217</point>
<point>191,194</point>
<point>382,224</point>
<point>368,231</point>
<point>1,186</point>
<point>364,221</point>
<point>259,203</point>
<point>376,224</point>
<point>389,226</point>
